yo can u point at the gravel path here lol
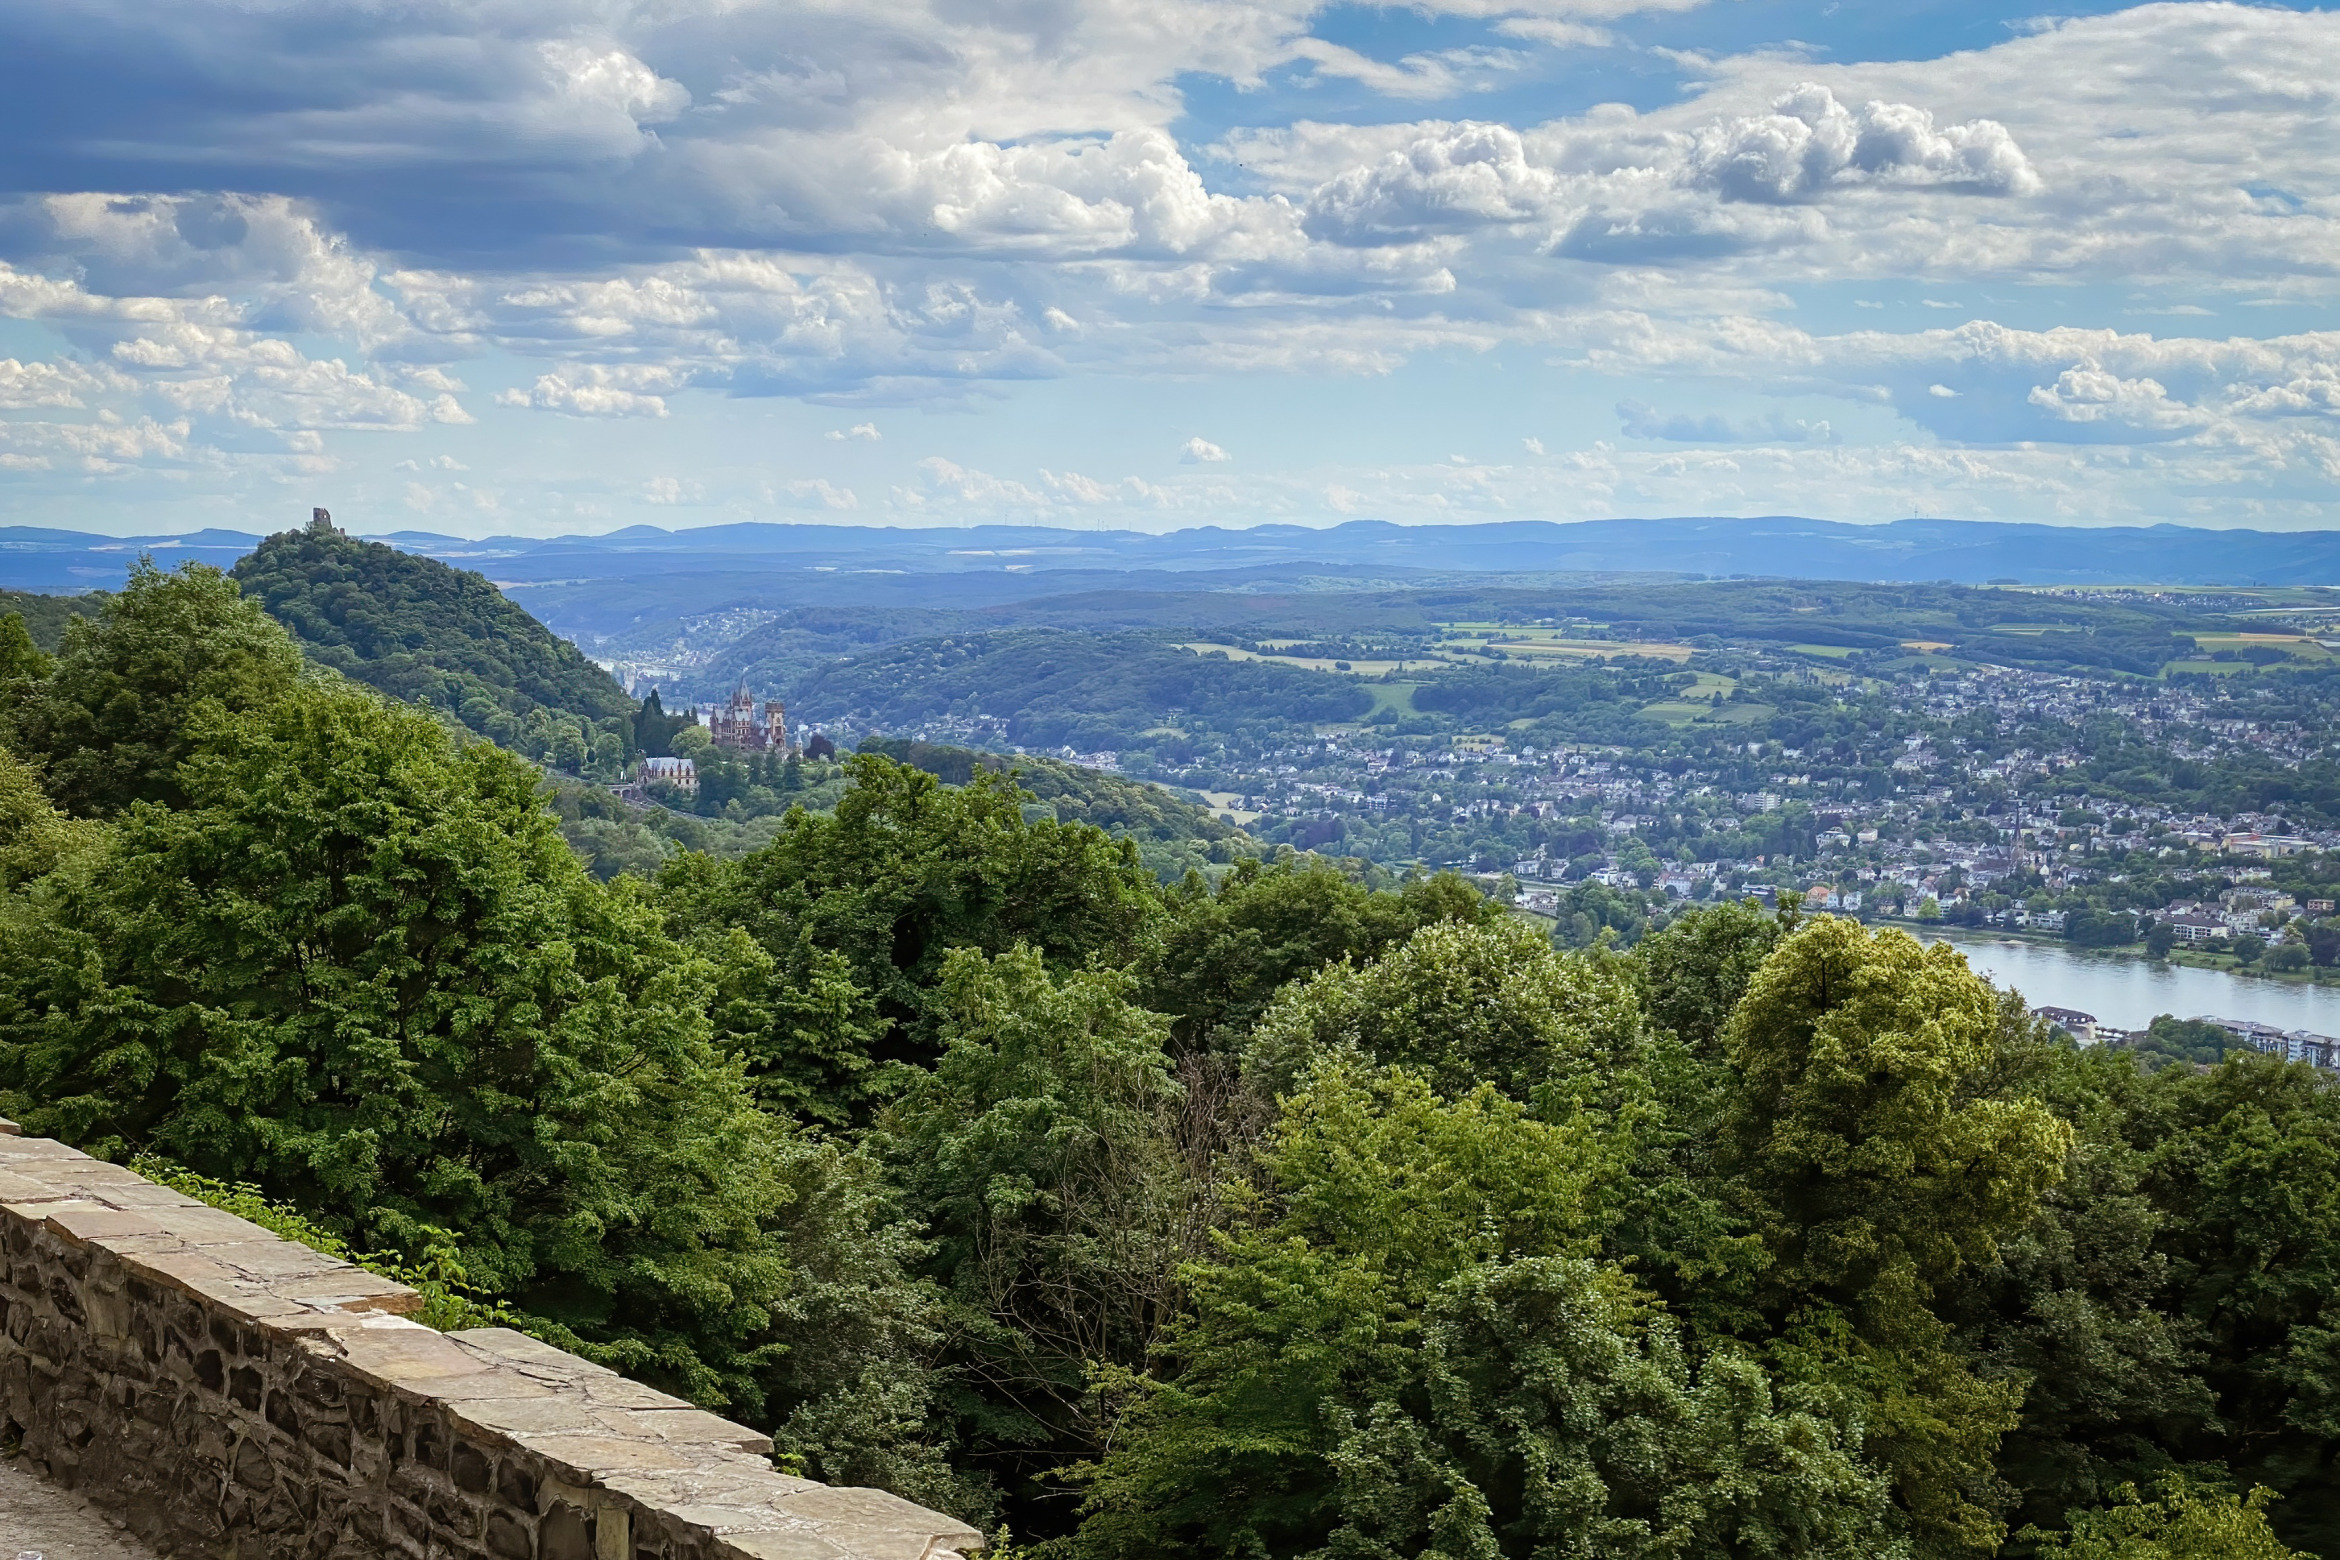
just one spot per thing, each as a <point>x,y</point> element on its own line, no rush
<point>37,1518</point>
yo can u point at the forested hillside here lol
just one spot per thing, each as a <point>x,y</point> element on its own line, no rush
<point>1283,1218</point>
<point>45,617</point>
<point>1056,689</point>
<point>1172,836</point>
<point>774,643</point>
<point>427,633</point>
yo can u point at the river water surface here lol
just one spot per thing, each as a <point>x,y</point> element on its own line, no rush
<point>2131,993</point>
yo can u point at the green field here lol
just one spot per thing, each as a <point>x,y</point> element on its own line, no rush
<point>1307,663</point>
<point>1534,641</point>
<point>1682,712</point>
<point>1914,663</point>
<point>2297,646</point>
<point>1699,704</point>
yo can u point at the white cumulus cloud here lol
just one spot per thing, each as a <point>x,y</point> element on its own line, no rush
<point>1810,143</point>
<point>586,391</point>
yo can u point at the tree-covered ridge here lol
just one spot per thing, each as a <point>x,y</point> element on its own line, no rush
<point>45,617</point>
<point>1282,1217</point>
<point>428,633</point>
<point>1172,835</point>
<point>2009,627</point>
<point>1085,691</point>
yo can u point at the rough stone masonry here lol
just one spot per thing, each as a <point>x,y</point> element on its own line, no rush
<point>237,1396</point>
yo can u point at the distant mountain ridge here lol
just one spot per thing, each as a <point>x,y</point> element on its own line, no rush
<point>808,564</point>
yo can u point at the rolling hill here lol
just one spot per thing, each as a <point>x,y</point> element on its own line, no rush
<point>426,632</point>
<point>45,617</point>
<point>1171,833</point>
<point>1058,689</point>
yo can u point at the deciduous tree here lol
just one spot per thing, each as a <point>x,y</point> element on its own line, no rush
<point>112,721</point>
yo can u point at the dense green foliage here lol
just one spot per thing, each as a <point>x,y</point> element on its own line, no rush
<point>1286,1217</point>
<point>1415,1351</point>
<point>21,660</point>
<point>1172,836</point>
<point>838,931</point>
<point>2183,1524</point>
<point>1490,698</point>
<point>1083,691</point>
<point>1221,957</point>
<point>360,968</point>
<point>115,716</point>
<point>2173,1039</point>
<point>44,617</point>
<point>432,634</point>
<point>1043,1151</point>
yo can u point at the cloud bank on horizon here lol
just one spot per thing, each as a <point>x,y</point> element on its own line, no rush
<point>575,264</point>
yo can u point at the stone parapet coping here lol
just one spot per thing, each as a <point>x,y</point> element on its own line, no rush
<point>330,1423</point>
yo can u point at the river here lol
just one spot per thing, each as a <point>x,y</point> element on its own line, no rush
<point>2131,992</point>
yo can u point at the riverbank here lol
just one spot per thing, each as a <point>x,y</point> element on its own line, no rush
<point>2129,992</point>
<point>2133,953</point>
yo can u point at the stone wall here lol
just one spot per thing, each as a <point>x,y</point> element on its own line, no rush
<point>236,1396</point>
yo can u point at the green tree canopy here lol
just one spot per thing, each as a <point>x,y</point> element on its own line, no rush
<point>1041,1154</point>
<point>1413,1351</point>
<point>2185,1523</point>
<point>21,661</point>
<point>34,836</point>
<point>856,912</point>
<point>1699,967</point>
<point>1879,1165</point>
<point>421,630</point>
<point>359,967</point>
<point>2243,1165</point>
<point>45,617</point>
<point>2078,1308</point>
<point>1459,1004</point>
<point>1220,957</point>
<point>1877,1157</point>
<point>112,721</point>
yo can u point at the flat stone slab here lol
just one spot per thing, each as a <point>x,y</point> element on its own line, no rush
<point>38,1518</point>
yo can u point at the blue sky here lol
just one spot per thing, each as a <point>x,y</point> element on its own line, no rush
<point>570,265</point>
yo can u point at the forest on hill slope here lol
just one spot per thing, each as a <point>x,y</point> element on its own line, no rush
<point>787,646</point>
<point>45,617</point>
<point>446,639</point>
<point>1057,689</point>
<point>1173,836</point>
<point>430,634</point>
<point>1287,1217</point>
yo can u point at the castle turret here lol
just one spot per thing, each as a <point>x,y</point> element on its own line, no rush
<point>738,725</point>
